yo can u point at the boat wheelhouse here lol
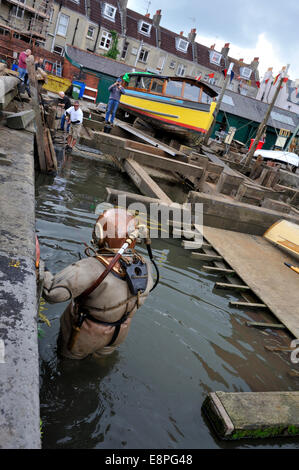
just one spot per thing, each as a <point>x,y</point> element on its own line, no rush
<point>174,104</point>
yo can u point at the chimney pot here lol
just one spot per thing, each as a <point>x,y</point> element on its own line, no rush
<point>148,15</point>
<point>227,44</point>
<point>241,60</point>
<point>158,12</point>
<point>182,33</point>
<point>213,47</point>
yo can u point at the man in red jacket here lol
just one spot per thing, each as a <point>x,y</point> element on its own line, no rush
<point>22,66</point>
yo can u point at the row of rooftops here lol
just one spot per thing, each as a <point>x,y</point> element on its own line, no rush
<point>128,23</point>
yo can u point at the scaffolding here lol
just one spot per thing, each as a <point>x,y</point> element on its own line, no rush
<point>33,20</point>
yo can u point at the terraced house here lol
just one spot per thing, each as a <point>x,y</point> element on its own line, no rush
<point>142,42</point>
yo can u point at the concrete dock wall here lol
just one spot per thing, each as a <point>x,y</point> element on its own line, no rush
<point>237,216</point>
<point>19,367</point>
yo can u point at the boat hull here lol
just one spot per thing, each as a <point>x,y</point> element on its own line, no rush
<point>284,235</point>
<point>169,114</point>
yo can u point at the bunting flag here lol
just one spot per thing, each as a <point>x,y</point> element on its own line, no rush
<point>276,78</point>
<point>285,80</point>
<point>266,81</point>
<point>211,75</point>
<point>224,71</point>
<point>232,76</point>
<point>258,84</point>
<point>198,77</point>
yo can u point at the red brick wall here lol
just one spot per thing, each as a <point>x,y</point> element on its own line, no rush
<point>9,45</point>
<point>73,73</point>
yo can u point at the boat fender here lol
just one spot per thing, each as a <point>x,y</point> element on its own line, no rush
<point>136,275</point>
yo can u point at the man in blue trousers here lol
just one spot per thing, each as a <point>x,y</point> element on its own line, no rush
<point>116,90</point>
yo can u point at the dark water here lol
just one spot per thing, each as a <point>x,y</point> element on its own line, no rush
<point>184,342</point>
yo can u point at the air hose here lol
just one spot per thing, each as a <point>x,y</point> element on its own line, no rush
<point>150,254</point>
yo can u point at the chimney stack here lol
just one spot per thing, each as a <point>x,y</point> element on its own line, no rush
<point>182,33</point>
<point>147,15</point>
<point>192,35</point>
<point>225,49</point>
<point>212,47</point>
<point>157,18</point>
<point>255,63</point>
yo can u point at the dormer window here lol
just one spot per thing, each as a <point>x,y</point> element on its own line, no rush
<point>181,44</point>
<point>144,28</point>
<point>245,72</point>
<point>109,11</point>
<point>215,57</point>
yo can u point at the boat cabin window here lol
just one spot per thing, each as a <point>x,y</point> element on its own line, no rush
<point>174,88</point>
<point>191,92</point>
<point>205,98</point>
<point>157,85</point>
<point>140,82</point>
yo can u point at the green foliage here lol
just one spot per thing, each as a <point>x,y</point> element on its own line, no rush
<point>113,51</point>
<point>258,433</point>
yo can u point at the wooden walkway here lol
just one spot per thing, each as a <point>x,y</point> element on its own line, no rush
<point>261,267</point>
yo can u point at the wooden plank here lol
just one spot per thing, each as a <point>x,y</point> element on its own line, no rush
<point>247,305</point>
<point>253,414</point>
<point>147,138</point>
<point>256,262</point>
<point>223,285</point>
<point>164,163</point>
<point>187,245</point>
<point>144,182</point>
<point>274,326</point>
<point>204,257</point>
<point>183,233</point>
<point>38,119</point>
<point>216,270</point>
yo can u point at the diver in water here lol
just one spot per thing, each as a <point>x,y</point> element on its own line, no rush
<point>105,289</point>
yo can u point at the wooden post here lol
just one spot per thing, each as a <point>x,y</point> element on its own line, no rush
<point>263,124</point>
<point>209,133</point>
<point>38,118</point>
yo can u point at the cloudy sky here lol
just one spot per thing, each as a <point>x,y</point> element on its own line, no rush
<point>267,29</point>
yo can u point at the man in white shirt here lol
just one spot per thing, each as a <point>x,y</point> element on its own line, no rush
<point>74,115</point>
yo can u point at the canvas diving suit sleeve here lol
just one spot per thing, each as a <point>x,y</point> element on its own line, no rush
<point>65,284</point>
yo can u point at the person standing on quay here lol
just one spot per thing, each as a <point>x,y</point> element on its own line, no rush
<point>22,66</point>
<point>116,90</point>
<point>74,115</point>
<point>64,103</point>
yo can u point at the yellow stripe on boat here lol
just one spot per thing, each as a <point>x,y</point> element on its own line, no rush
<point>184,117</point>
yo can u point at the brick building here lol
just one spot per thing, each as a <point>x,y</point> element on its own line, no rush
<point>143,42</point>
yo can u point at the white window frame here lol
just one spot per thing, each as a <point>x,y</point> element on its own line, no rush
<point>140,26</point>
<point>245,72</point>
<point>124,51</point>
<point>67,25</point>
<point>181,68</point>
<point>62,50</point>
<point>181,44</point>
<point>215,57</point>
<point>172,64</point>
<point>93,30</point>
<point>145,53</point>
<point>107,37</point>
<point>19,10</point>
<point>105,13</point>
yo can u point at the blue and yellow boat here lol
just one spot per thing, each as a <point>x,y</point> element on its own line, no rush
<point>174,104</point>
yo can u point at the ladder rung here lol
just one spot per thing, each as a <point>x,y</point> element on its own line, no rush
<point>247,305</point>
